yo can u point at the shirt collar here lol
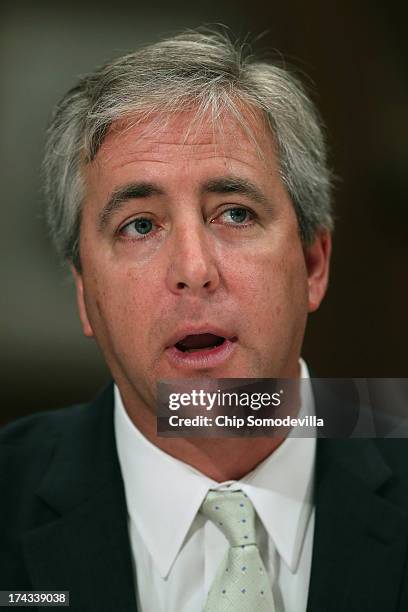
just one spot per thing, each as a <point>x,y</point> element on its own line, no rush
<point>281,490</point>
<point>164,494</point>
<point>281,487</point>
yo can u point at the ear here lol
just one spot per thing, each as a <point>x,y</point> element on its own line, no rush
<point>317,259</point>
<point>83,315</point>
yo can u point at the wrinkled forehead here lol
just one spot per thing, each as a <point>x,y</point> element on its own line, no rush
<point>189,133</point>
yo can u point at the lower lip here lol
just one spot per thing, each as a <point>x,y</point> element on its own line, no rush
<point>204,359</point>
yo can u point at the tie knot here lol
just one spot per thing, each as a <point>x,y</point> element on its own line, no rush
<point>233,513</point>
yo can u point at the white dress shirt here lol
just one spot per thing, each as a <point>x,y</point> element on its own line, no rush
<point>176,551</point>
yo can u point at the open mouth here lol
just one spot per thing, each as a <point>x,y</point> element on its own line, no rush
<point>199,342</point>
<point>201,349</point>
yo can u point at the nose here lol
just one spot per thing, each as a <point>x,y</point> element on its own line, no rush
<point>193,266</point>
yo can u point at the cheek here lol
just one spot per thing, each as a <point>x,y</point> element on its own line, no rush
<point>120,305</point>
<point>271,290</point>
<point>267,276</point>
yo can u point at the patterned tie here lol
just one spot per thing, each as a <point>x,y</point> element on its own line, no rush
<point>241,584</point>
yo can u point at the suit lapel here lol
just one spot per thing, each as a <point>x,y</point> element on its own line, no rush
<point>358,533</point>
<point>86,548</point>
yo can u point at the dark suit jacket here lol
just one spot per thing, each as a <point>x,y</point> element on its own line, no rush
<point>63,518</point>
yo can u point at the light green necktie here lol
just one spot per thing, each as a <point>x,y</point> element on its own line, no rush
<point>241,584</point>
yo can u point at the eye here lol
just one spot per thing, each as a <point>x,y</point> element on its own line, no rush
<point>138,228</point>
<point>236,216</point>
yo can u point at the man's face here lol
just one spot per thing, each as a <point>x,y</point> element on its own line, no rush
<point>192,265</point>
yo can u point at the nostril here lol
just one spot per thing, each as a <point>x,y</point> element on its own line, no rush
<point>181,285</point>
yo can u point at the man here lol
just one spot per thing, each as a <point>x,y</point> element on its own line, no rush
<point>189,191</point>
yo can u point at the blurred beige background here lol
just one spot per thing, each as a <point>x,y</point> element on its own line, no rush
<point>355,53</point>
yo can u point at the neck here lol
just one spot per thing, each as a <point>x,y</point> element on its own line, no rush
<point>221,459</point>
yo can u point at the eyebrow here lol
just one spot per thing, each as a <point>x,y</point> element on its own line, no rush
<point>141,190</point>
<point>133,191</point>
<point>231,184</point>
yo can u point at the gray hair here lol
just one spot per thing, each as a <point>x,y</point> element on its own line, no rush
<point>199,69</point>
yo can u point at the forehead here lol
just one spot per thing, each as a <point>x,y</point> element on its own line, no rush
<point>185,137</point>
